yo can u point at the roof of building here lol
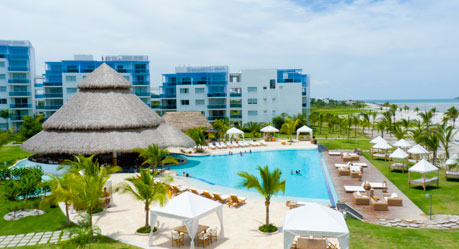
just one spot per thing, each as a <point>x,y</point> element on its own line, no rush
<point>186,120</point>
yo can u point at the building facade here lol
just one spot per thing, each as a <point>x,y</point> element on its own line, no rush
<point>252,95</point>
<point>61,78</point>
<point>17,76</point>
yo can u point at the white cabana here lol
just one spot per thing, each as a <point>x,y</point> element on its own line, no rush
<point>451,161</point>
<point>303,129</point>
<point>423,167</point>
<point>315,220</point>
<point>382,145</point>
<point>377,140</point>
<point>270,129</point>
<point>418,149</point>
<point>402,143</point>
<point>189,208</point>
<point>399,154</point>
<point>234,132</point>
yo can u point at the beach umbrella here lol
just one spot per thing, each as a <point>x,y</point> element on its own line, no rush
<point>377,140</point>
<point>269,128</point>
<point>382,145</point>
<point>418,149</point>
<point>399,154</point>
<point>402,143</point>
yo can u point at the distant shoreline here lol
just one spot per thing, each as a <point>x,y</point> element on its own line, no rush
<point>377,101</point>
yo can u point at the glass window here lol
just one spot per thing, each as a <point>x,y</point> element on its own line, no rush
<point>184,90</point>
<point>2,101</point>
<point>199,90</point>
<point>251,89</point>
<point>252,113</point>
<point>274,99</point>
<point>264,88</point>
<point>70,78</point>
<point>185,102</point>
<point>2,88</point>
<point>126,77</point>
<point>272,84</point>
<point>200,102</point>
<point>71,90</point>
<point>252,101</point>
<point>2,64</point>
<point>2,76</point>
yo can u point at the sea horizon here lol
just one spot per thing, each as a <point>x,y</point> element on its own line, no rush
<point>423,104</point>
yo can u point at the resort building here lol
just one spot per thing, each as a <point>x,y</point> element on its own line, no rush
<point>61,78</point>
<point>252,95</point>
<point>17,75</point>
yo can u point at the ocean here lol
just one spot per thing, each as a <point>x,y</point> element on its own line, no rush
<point>423,104</point>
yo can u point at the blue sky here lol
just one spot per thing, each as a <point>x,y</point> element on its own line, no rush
<point>385,49</point>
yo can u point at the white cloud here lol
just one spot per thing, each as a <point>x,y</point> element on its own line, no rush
<point>364,49</point>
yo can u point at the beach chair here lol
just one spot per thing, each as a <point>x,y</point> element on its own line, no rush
<point>294,204</point>
<point>393,199</point>
<point>245,144</point>
<point>351,189</point>
<point>211,146</point>
<point>234,144</point>
<point>207,195</point>
<point>221,198</point>
<point>344,171</point>
<point>378,185</point>
<point>360,199</point>
<point>334,153</point>
<point>340,165</point>
<point>263,143</point>
<point>223,145</point>
<point>177,239</point>
<point>196,192</point>
<point>236,201</point>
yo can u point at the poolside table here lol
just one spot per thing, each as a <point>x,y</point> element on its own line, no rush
<point>201,228</point>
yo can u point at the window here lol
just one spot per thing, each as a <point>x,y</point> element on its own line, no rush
<point>265,111</point>
<point>265,99</point>
<point>184,90</point>
<point>264,88</point>
<point>251,89</point>
<point>274,99</point>
<point>70,78</point>
<point>200,102</point>
<point>272,84</point>
<point>252,113</point>
<point>203,113</point>
<point>71,90</point>
<point>2,88</point>
<point>2,76</point>
<point>252,101</point>
<point>274,112</point>
<point>185,102</point>
<point>2,64</point>
<point>126,77</point>
<point>2,101</point>
<point>199,90</point>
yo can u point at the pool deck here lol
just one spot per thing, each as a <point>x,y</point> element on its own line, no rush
<point>408,211</point>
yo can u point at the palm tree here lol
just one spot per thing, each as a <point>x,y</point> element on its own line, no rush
<point>349,124</point>
<point>406,108</point>
<point>405,123</point>
<point>320,120</point>
<point>197,134</point>
<point>145,189</point>
<point>356,121</point>
<point>399,132</point>
<point>86,165</point>
<point>393,110</point>
<point>446,135</point>
<point>289,127</point>
<point>416,110</point>
<point>381,126</point>
<point>271,183</point>
<point>373,119</point>
<point>61,191</point>
<point>254,128</point>
<point>452,113</point>
<point>6,114</point>
<point>432,142</point>
<point>388,118</point>
<point>416,135</point>
<point>426,118</point>
<point>155,156</point>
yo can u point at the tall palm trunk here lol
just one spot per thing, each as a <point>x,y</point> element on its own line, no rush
<point>267,212</point>
<point>90,223</point>
<point>147,210</point>
<point>67,206</point>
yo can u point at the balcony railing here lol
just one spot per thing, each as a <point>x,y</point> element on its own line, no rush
<point>15,118</point>
<point>52,83</point>
<point>216,95</point>
<point>168,96</point>
<point>235,115</point>
<point>19,94</point>
<point>216,106</point>
<point>211,118</point>
<point>20,106</point>
<point>143,94</point>
<point>304,105</point>
<point>53,95</point>
<point>168,106</point>
<point>235,105</point>
<point>52,107</point>
<point>20,81</point>
<point>39,96</point>
<point>155,96</point>
<point>141,83</point>
<point>235,94</point>
<point>18,69</point>
<point>303,93</point>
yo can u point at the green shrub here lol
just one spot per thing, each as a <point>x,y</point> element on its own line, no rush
<point>146,229</point>
<point>268,229</point>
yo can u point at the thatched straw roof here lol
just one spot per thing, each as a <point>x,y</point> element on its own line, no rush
<point>104,117</point>
<point>186,120</point>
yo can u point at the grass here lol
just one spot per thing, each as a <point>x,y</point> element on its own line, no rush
<point>341,110</point>
<point>101,242</point>
<point>11,154</point>
<point>326,133</point>
<point>344,144</point>
<point>445,199</point>
<point>366,235</point>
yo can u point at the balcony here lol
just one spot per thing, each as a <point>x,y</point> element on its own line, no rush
<point>71,70</point>
<point>52,83</point>
<point>168,107</point>
<point>39,96</point>
<point>216,106</point>
<point>216,95</point>
<point>16,118</point>
<point>236,95</point>
<point>143,94</point>
<point>21,106</point>
<point>236,116</point>
<point>19,94</point>
<point>155,96</point>
<point>38,85</point>
<point>17,81</point>
<point>168,96</point>
<point>53,95</point>
<point>140,71</point>
<point>304,105</point>
<point>51,107</point>
<point>141,83</point>
<point>303,93</point>
<point>18,69</point>
<point>218,83</point>
<point>212,118</point>
<point>235,105</point>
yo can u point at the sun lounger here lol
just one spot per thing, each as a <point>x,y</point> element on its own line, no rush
<point>234,144</point>
<point>197,192</point>
<point>252,143</point>
<point>334,153</point>
<point>294,204</point>
<point>424,184</point>
<point>379,155</point>
<point>337,165</point>
<point>378,185</point>
<point>351,189</point>
<point>207,195</point>
<point>223,145</point>
<point>451,174</point>
<point>221,198</point>
<point>236,201</point>
<point>212,147</point>
<point>393,199</point>
<point>399,166</point>
<point>228,145</point>
<point>263,143</point>
<point>356,172</point>
<point>360,199</point>
<point>380,205</point>
<point>245,144</point>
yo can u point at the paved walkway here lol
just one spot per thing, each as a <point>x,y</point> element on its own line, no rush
<point>31,239</point>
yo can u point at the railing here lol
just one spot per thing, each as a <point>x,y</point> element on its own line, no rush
<point>211,118</point>
<point>20,106</point>
<point>70,70</point>
<point>39,96</point>
<point>303,93</point>
<point>19,94</point>
<point>168,107</point>
<point>121,70</point>
<point>168,95</point>
<point>52,83</point>
<point>141,83</point>
<point>235,94</point>
<point>38,85</point>
<point>52,107</point>
<point>216,95</point>
<point>155,96</point>
<point>140,70</point>
<point>235,115</point>
<point>53,95</point>
<point>16,117</point>
<point>142,94</point>
<point>20,69</point>
<point>216,106</point>
<point>19,81</point>
<point>235,105</point>
<point>39,107</point>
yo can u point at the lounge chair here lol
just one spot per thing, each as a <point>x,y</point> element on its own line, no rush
<point>273,139</point>
<point>294,204</point>
<point>236,201</point>
<point>223,145</point>
<point>211,146</point>
<point>263,143</point>
<point>234,144</point>
<point>360,199</point>
<point>380,205</point>
<point>344,171</point>
<point>221,198</point>
<point>196,192</point>
<point>334,153</point>
<point>379,155</point>
<point>356,173</point>
<point>451,174</point>
<point>393,199</point>
<point>338,165</point>
<point>252,143</point>
<point>378,185</point>
<point>424,182</point>
<point>207,195</point>
<point>399,166</point>
<point>228,145</point>
<point>218,146</point>
<point>177,189</point>
<point>245,144</point>
<point>351,189</point>
<point>178,239</point>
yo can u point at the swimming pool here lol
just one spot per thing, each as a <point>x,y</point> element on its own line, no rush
<point>48,169</point>
<point>223,169</point>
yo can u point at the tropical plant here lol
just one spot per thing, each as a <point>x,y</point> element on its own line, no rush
<point>81,234</point>
<point>220,125</point>
<point>373,119</point>
<point>253,127</point>
<point>452,113</point>
<point>289,127</point>
<point>393,110</point>
<point>356,121</point>
<point>30,126</point>
<point>271,183</point>
<point>399,132</point>
<point>144,188</point>
<point>197,134</point>
<point>61,191</point>
<point>6,114</point>
<point>154,156</point>
<point>432,142</point>
<point>416,110</point>
<point>349,125</point>
<point>446,135</point>
<point>416,135</point>
<point>381,126</point>
<point>4,138</point>
<point>406,108</point>
<point>426,118</point>
<point>320,120</point>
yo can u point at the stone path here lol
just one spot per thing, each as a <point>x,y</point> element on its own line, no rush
<point>31,239</point>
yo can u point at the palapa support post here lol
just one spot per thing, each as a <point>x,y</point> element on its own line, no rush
<point>114,159</point>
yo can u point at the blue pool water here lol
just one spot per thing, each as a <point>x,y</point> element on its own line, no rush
<point>223,169</point>
<point>48,169</point>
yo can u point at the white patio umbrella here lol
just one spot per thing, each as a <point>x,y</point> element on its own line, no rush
<point>234,132</point>
<point>418,149</point>
<point>399,154</point>
<point>377,140</point>
<point>270,129</point>
<point>402,143</point>
<point>303,129</point>
<point>382,145</point>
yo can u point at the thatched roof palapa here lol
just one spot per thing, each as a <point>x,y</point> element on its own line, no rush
<point>103,117</point>
<point>186,120</point>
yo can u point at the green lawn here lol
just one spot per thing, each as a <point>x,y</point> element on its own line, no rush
<point>342,110</point>
<point>366,235</point>
<point>445,199</point>
<point>11,154</point>
<point>100,243</point>
<point>325,133</point>
<point>344,144</point>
